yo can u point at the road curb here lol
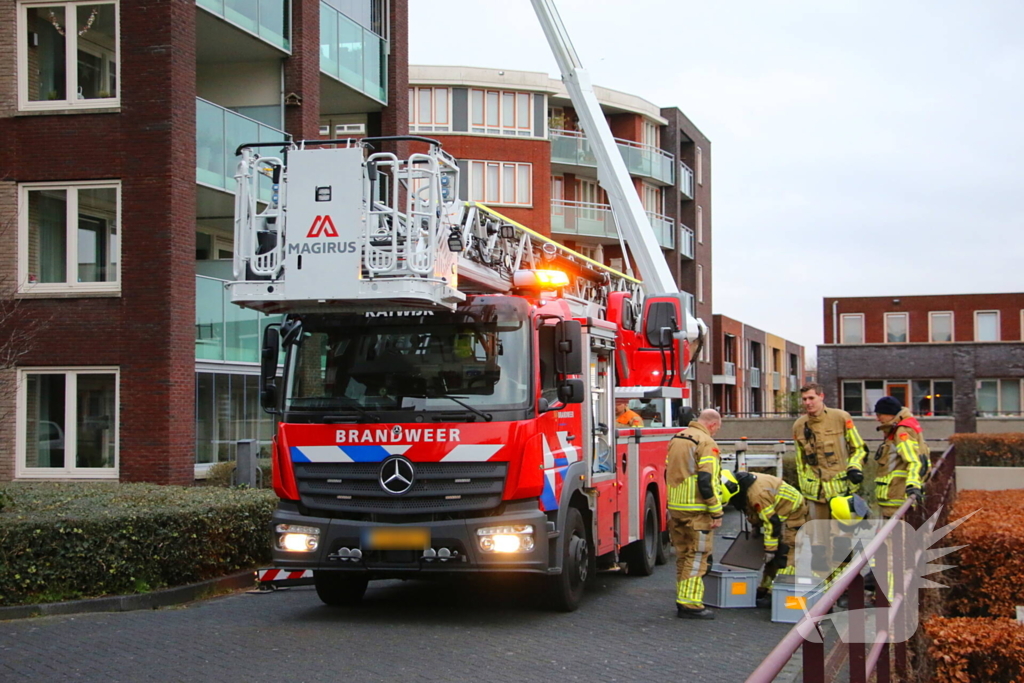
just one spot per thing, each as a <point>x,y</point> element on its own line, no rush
<point>128,603</point>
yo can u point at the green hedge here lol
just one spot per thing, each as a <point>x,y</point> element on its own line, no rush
<point>61,541</point>
<point>989,450</point>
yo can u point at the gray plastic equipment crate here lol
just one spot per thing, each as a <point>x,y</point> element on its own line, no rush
<point>792,596</point>
<point>730,587</point>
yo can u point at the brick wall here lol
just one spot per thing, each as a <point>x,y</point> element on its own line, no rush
<point>302,72</point>
<point>963,307</point>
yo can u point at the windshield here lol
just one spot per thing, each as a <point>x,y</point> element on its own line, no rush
<point>478,355</point>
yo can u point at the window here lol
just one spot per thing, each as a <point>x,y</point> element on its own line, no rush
<point>651,198</point>
<point>986,326</point>
<point>67,423</point>
<point>700,283</point>
<point>853,397</point>
<point>650,135</point>
<point>852,328</point>
<point>998,397</point>
<point>896,328</point>
<point>700,166</point>
<point>940,326</point>
<point>69,238</point>
<point>429,110</point>
<point>501,113</point>
<point>227,411</point>
<point>67,54</point>
<point>500,182</point>
<point>700,224</point>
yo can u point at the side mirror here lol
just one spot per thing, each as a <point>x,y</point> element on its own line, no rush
<point>268,368</point>
<point>569,348</point>
<point>570,391</point>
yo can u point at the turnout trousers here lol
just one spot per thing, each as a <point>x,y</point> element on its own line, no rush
<point>693,539</point>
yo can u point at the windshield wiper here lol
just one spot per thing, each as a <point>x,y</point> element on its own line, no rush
<point>486,416</point>
<point>344,418</point>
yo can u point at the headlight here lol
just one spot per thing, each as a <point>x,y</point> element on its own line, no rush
<point>297,539</point>
<point>513,538</point>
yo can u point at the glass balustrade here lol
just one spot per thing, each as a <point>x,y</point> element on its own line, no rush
<point>219,132</point>
<point>224,331</point>
<point>573,149</point>
<point>267,19</point>
<point>352,54</point>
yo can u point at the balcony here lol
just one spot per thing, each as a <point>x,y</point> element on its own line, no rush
<point>686,238</point>
<point>224,331</point>
<point>776,381</point>
<point>355,56</point>
<point>219,132</point>
<point>794,383</point>
<point>595,221</point>
<point>686,180</point>
<point>267,19</point>
<point>571,148</point>
<point>754,377</point>
<point>728,376</point>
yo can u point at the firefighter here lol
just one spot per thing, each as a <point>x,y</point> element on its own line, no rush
<point>779,510</point>
<point>694,510</point>
<point>626,417</point>
<point>902,458</point>
<point>829,452</point>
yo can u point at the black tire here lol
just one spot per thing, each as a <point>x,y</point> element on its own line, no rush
<point>565,591</point>
<point>340,589</point>
<point>664,548</point>
<point>641,555</point>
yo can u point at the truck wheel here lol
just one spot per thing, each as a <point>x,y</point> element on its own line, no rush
<point>642,555</point>
<point>566,590</point>
<point>664,548</point>
<point>340,589</point>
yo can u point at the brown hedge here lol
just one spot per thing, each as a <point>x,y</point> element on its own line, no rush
<point>989,450</point>
<point>987,581</point>
<point>966,649</point>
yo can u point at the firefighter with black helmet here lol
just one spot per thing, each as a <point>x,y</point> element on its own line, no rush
<point>902,458</point>
<point>693,470</point>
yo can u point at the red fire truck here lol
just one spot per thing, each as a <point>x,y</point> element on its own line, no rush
<point>446,404</point>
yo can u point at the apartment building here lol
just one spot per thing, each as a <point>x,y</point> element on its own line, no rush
<point>120,120</point>
<point>756,373</point>
<point>521,150</point>
<point>960,355</point>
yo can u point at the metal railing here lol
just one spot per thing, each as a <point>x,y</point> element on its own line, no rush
<point>730,369</point>
<point>573,148</point>
<point>776,381</point>
<point>754,377</point>
<point>587,218</point>
<point>891,616</point>
<point>686,180</point>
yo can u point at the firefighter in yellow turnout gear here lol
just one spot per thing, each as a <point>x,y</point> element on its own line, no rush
<point>778,509</point>
<point>829,452</point>
<point>694,510</point>
<point>902,458</point>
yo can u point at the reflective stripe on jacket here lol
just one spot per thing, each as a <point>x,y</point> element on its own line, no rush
<point>827,445</point>
<point>690,453</point>
<point>902,459</point>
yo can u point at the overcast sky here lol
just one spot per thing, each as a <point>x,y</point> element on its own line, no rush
<point>860,148</point>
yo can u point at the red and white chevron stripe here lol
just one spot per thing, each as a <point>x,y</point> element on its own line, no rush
<point>283,575</point>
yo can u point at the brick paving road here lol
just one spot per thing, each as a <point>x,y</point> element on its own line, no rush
<point>625,630</point>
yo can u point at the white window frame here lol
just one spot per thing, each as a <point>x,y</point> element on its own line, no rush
<point>700,166</point>
<point>1000,408</point>
<point>514,128</point>
<point>902,314</point>
<point>71,58</point>
<point>842,327</point>
<point>952,326</point>
<point>998,325</point>
<point>501,199</point>
<point>416,123</point>
<point>70,425</point>
<point>700,224</point>
<point>71,284</point>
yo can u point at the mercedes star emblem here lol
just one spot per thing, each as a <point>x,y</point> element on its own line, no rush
<point>397,476</point>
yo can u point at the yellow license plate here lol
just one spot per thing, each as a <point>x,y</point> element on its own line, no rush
<point>406,538</point>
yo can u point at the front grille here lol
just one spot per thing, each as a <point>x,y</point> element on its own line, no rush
<point>354,487</point>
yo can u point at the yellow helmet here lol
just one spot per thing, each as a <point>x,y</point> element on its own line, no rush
<point>849,509</point>
<point>728,487</point>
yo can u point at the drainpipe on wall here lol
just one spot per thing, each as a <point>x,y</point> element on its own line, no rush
<point>835,322</point>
